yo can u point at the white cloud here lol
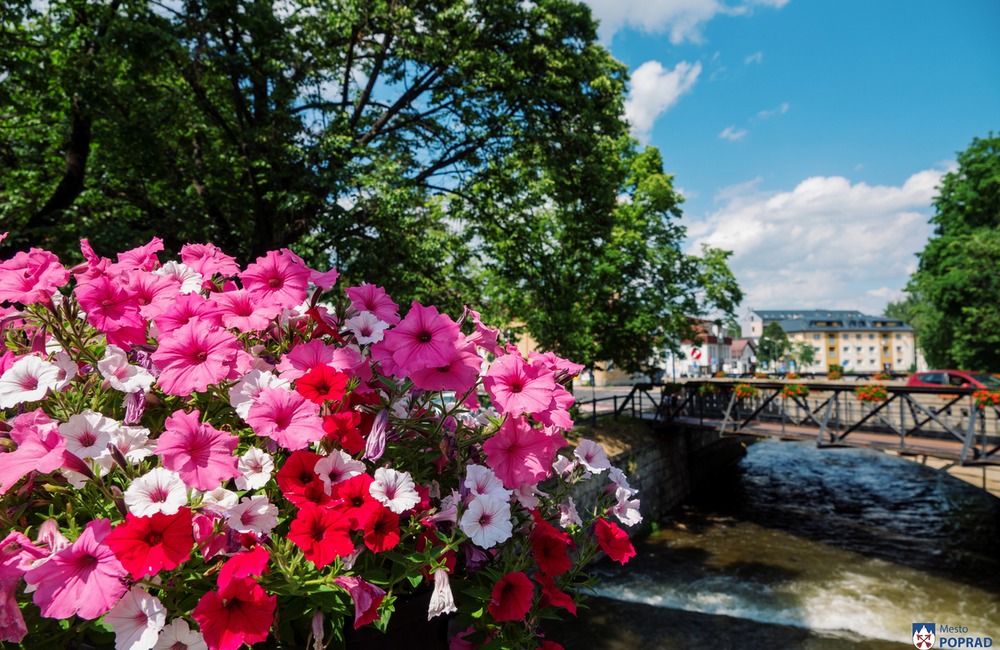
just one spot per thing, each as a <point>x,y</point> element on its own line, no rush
<point>827,243</point>
<point>682,19</point>
<point>732,134</point>
<point>771,112</point>
<point>654,90</point>
<point>756,57</point>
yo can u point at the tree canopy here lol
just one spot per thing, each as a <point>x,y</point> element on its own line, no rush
<point>773,344</point>
<point>453,151</point>
<point>953,292</point>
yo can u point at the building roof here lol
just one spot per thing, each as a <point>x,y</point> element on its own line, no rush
<point>826,320</point>
<point>739,345</point>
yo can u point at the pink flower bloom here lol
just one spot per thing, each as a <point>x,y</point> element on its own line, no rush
<point>367,598</point>
<point>200,453</point>
<point>17,554</point>
<point>142,258</point>
<point>337,467</point>
<point>31,277</point>
<point>625,509</point>
<point>487,521</point>
<point>154,294</point>
<point>287,418</point>
<point>137,620</point>
<point>109,305</point>
<point>240,310</point>
<point>484,337</point>
<point>187,308</point>
<point>370,298</point>
<point>39,447</point>
<point>85,579</point>
<point>28,380</point>
<point>442,598</point>
<point>303,358</point>
<point>278,278</point>
<point>324,280</point>
<point>425,338</point>
<point>592,456</point>
<point>208,259</point>
<point>239,613</point>
<point>195,356</point>
<point>482,482</point>
<point>394,489</point>
<point>244,392</point>
<point>520,454</point>
<point>515,387</point>
<point>459,374</point>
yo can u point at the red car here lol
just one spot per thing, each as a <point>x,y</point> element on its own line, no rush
<point>957,378</point>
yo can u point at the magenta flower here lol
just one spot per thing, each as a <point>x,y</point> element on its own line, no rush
<point>200,453</point>
<point>367,598</point>
<point>459,374</point>
<point>303,358</point>
<point>516,387</point>
<point>16,556</point>
<point>208,259</point>
<point>85,579</point>
<point>142,258</point>
<point>188,307</point>
<point>520,454</point>
<point>153,293</point>
<point>278,278</point>
<point>195,356</point>
<point>109,305</point>
<point>424,339</point>
<point>39,448</point>
<point>31,277</point>
<point>240,310</point>
<point>239,613</point>
<point>370,298</point>
<point>287,418</point>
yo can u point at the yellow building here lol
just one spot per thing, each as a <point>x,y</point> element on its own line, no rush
<point>849,339</point>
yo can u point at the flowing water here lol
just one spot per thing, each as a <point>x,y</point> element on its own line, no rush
<point>803,547</point>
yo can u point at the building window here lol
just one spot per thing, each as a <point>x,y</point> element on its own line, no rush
<point>847,348</point>
<point>832,337</point>
<point>899,348</point>
<point>815,337</point>
<point>859,349</point>
<point>871,348</point>
<point>833,351</point>
<point>885,350</point>
<point>871,336</point>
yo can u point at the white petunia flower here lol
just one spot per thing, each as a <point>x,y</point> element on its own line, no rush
<point>394,489</point>
<point>366,327</point>
<point>568,515</point>
<point>257,466</point>
<point>159,490</point>
<point>563,466</point>
<point>620,480</point>
<point>253,515</point>
<point>627,511</point>
<point>67,368</point>
<point>337,467</point>
<point>87,434</point>
<point>179,636</point>
<point>137,620</point>
<point>27,381</point>
<point>245,391</point>
<point>121,374</point>
<point>189,279</point>
<point>133,442</point>
<point>527,495</point>
<point>591,455</point>
<point>482,482</point>
<point>487,522</point>
<point>220,499</point>
<point>442,599</point>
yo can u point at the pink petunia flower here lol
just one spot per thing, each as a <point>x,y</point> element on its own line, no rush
<point>109,304</point>
<point>459,374</point>
<point>153,293</point>
<point>337,467</point>
<point>367,598</point>
<point>17,554</point>
<point>241,310</point>
<point>303,358</point>
<point>278,278</point>
<point>424,339</point>
<point>518,453</point>
<point>200,453</point>
<point>245,391</point>
<point>142,257</point>
<point>370,298</point>
<point>516,387</point>
<point>137,620</point>
<point>482,482</point>
<point>324,279</point>
<point>31,277</point>
<point>27,380</point>
<point>592,456</point>
<point>287,418</point>
<point>39,448</point>
<point>85,579</point>
<point>185,309</point>
<point>195,356</point>
<point>242,612</point>
<point>208,259</point>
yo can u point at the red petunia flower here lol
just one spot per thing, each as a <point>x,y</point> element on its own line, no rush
<point>614,541</point>
<point>322,384</point>
<point>145,545</point>
<point>342,428</point>
<point>239,613</point>
<point>356,500</point>
<point>551,554</point>
<point>381,529</point>
<point>323,534</point>
<point>511,597</point>
<point>552,595</point>
<point>298,480</point>
<point>244,565</point>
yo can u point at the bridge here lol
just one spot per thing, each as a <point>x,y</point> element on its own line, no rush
<point>940,426</point>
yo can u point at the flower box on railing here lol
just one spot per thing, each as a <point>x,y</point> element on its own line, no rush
<point>871,393</point>
<point>984,398</point>
<point>744,391</point>
<point>794,390</point>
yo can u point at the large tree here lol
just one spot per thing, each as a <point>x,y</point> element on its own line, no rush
<point>773,344</point>
<point>958,277</point>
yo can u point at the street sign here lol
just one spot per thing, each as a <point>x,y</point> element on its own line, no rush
<point>695,354</point>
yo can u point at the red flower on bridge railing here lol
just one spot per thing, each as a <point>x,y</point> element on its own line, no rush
<point>746,390</point>
<point>871,393</point>
<point>795,390</point>
<point>984,398</point>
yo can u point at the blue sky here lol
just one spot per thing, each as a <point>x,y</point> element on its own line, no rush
<point>809,136</point>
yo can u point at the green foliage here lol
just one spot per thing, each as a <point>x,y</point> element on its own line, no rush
<point>805,353</point>
<point>773,344</point>
<point>952,300</point>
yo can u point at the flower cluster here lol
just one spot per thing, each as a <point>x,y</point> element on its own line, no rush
<point>834,372</point>
<point>882,376</point>
<point>199,455</point>
<point>744,390</point>
<point>794,390</point>
<point>871,393</point>
<point>984,398</point>
<point>706,389</point>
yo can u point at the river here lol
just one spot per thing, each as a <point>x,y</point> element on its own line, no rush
<point>801,547</point>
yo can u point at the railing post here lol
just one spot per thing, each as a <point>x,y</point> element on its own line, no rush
<point>615,397</point>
